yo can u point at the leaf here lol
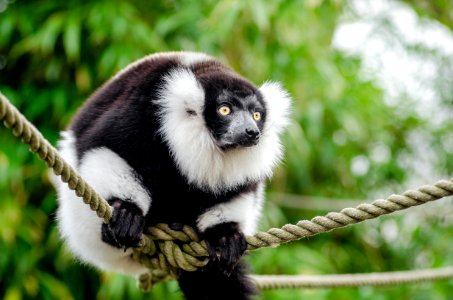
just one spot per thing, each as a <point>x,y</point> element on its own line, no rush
<point>53,287</point>
<point>13,293</point>
<point>50,32</point>
<point>71,38</point>
<point>7,26</point>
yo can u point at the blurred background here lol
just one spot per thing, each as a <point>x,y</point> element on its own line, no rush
<point>372,83</point>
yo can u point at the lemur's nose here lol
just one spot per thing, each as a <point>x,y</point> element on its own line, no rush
<point>252,132</point>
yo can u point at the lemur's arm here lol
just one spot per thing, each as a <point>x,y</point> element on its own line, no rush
<point>116,181</point>
<point>223,226</point>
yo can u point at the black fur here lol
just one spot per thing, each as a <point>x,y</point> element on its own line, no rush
<point>211,283</point>
<point>233,91</point>
<point>225,276</point>
<point>123,116</point>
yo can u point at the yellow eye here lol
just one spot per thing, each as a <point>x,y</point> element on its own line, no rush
<point>224,110</point>
<point>256,116</point>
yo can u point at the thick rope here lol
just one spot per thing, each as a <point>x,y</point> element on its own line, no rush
<point>351,280</point>
<point>188,253</point>
<point>22,128</point>
<point>306,228</point>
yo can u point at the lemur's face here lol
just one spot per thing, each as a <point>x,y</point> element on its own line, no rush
<point>234,116</point>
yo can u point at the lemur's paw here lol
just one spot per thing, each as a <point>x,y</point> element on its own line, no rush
<point>126,225</point>
<point>226,244</point>
<point>176,226</point>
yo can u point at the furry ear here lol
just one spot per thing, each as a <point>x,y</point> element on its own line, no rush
<point>278,106</point>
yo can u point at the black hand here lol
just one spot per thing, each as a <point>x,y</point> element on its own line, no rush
<point>226,244</point>
<point>176,226</point>
<point>126,225</point>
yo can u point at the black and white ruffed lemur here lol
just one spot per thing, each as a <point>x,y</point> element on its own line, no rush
<point>176,138</point>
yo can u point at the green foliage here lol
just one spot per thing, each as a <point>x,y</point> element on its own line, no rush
<point>55,53</point>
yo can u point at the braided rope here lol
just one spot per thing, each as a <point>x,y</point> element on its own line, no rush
<point>168,256</point>
<point>306,228</point>
<point>351,280</point>
<point>333,220</point>
<point>22,128</point>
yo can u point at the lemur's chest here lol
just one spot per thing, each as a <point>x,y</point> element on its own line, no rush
<point>173,199</point>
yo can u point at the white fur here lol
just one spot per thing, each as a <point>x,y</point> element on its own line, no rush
<point>244,209</point>
<point>193,146</point>
<point>190,58</point>
<point>186,58</point>
<point>111,176</point>
<point>278,105</point>
<point>79,226</point>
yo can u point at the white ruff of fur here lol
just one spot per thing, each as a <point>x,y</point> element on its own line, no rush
<point>193,147</point>
<point>78,225</point>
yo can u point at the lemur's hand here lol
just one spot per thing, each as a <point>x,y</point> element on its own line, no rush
<point>126,225</point>
<point>226,244</point>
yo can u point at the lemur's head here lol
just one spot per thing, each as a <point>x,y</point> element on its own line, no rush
<point>221,129</point>
<point>234,110</point>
